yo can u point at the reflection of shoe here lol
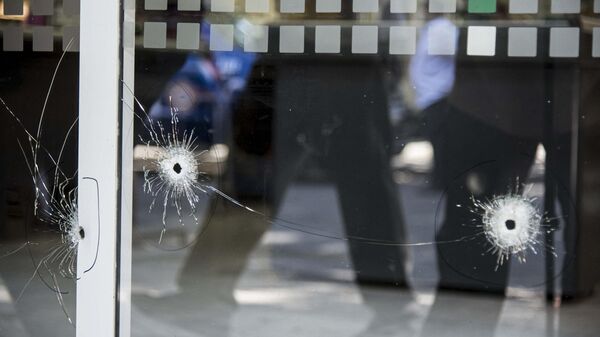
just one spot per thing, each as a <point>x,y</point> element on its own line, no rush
<point>569,298</point>
<point>486,290</point>
<point>369,282</point>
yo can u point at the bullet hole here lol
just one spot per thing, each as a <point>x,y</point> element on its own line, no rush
<point>510,224</point>
<point>499,217</point>
<point>177,168</point>
<point>81,233</point>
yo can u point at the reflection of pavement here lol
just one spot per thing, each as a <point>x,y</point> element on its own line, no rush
<point>295,284</point>
<point>37,313</point>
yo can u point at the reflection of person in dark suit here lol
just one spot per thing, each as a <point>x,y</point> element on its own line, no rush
<point>460,144</point>
<point>337,113</point>
<point>497,114</point>
<point>432,77</point>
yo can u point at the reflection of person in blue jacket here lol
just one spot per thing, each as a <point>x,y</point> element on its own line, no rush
<point>203,90</point>
<point>192,92</point>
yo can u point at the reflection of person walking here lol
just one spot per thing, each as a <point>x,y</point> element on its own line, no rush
<point>432,72</point>
<point>484,143</point>
<point>337,112</point>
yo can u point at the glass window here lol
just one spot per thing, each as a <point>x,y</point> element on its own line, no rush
<point>364,167</point>
<point>39,72</point>
<point>315,167</point>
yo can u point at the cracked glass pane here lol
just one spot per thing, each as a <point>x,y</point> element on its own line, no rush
<point>367,189</point>
<point>39,225</point>
<point>364,191</point>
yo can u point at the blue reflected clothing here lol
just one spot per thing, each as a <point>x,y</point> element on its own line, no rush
<point>203,89</point>
<point>432,76</point>
<point>234,66</point>
<point>193,94</point>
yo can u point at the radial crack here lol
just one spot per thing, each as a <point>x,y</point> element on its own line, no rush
<point>512,225</point>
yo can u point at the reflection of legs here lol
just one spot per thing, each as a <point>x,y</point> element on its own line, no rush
<point>288,160</point>
<point>482,162</point>
<point>357,158</point>
<point>436,116</point>
<point>224,245</point>
<point>370,209</point>
<point>338,113</point>
<point>359,162</point>
<point>217,261</point>
<point>221,253</point>
<point>573,266</point>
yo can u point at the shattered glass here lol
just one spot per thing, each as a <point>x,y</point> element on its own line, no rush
<point>284,172</point>
<point>281,192</point>
<point>39,204</point>
<point>334,175</point>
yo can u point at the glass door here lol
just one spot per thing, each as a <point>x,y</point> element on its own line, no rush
<point>299,168</point>
<point>362,168</point>
<point>61,174</point>
<point>39,234</point>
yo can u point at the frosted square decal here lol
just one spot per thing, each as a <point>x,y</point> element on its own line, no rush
<point>257,6</point>
<point>403,40</point>
<point>155,34</point>
<point>522,42</point>
<point>42,7</point>
<point>564,42</point>
<point>70,41</point>
<point>327,39</point>
<point>292,6</point>
<point>365,6</point>
<point>156,5</point>
<point>256,39</point>
<point>403,6</point>
<point>523,6</point>
<point>565,6</point>
<point>13,7</point>
<point>71,7</point>
<point>481,6</point>
<point>481,41</point>
<point>188,5</point>
<point>329,6</point>
<point>43,38</point>
<point>442,6</point>
<point>222,6</point>
<point>291,39</point>
<point>364,39</point>
<point>221,37</point>
<point>442,40</point>
<point>188,36</point>
<point>12,37</point>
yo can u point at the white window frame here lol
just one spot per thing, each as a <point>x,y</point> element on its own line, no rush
<point>105,154</point>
